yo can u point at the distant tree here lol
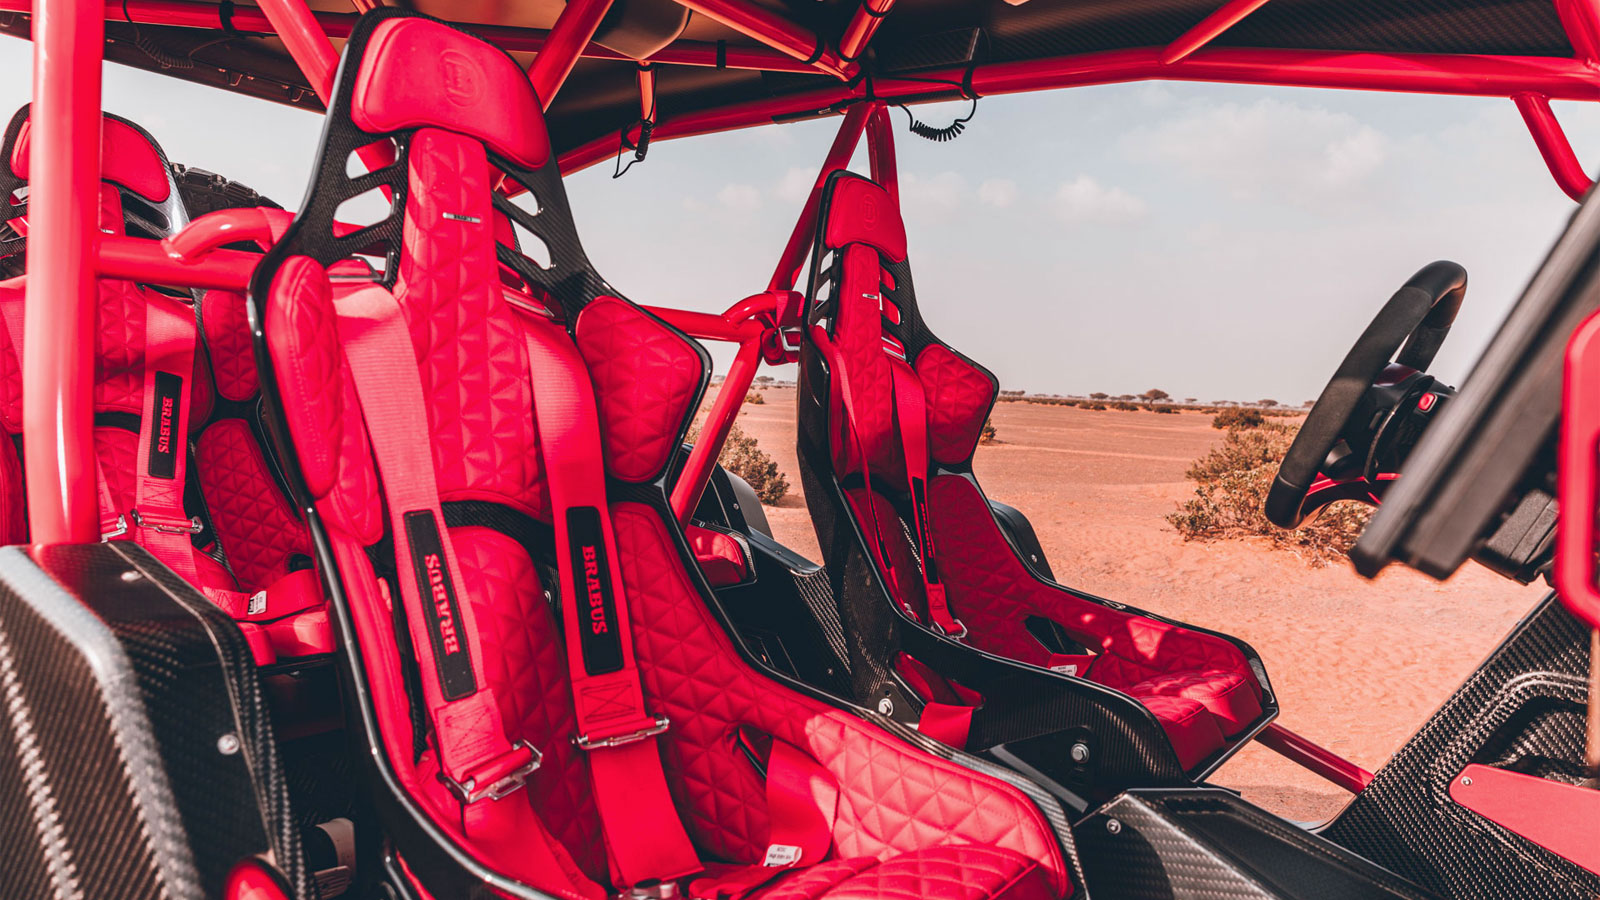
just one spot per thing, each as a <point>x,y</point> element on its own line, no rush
<point>1155,394</point>
<point>1309,403</point>
<point>1099,395</point>
<point>1126,397</point>
<point>763,379</point>
<point>1266,403</point>
<point>1190,400</point>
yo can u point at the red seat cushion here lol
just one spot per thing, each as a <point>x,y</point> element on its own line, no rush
<point>1227,696</point>
<point>720,556</point>
<point>1193,732</point>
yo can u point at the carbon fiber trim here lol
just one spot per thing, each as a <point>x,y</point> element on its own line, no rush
<point>1209,844</point>
<point>134,743</point>
<point>1522,709</point>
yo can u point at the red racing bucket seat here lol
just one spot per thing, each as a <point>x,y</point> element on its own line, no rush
<point>181,468</point>
<point>889,419</point>
<point>550,696</point>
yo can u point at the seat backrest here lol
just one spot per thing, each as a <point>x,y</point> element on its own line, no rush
<point>461,116</point>
<point>250,536</point>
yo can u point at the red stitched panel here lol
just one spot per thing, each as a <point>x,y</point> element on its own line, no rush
<point>959,396</point>
<point>858,339</point>
<point>474,366</point>
<point>126,158</point>
<point>645,379</point>
<point>233,359</point>
<point>859,210</point>
<point>1193,732</point>
<point>255,524</point>
<point>892,800</point>
<point>417,72</point>
<point>946,873</point>
<point>319,399</point>
<point>524,664</point>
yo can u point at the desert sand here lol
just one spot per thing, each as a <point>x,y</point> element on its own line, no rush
<point>1357,665</point>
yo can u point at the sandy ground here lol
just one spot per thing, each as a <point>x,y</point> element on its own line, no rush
<point>1357,665</point>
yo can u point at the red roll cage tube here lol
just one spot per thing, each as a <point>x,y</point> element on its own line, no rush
<point>68,252</point>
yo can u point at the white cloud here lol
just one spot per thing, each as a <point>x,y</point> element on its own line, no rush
<point>1085,200</point>
<point>795,185</point>
<point>934,197</point>
<point>1266,147</point>
<point>739,197</point>
<point>997,192</point>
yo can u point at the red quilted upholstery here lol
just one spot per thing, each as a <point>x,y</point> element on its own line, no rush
<point>959,396</point>
<point>233,359</point>
<point>860,211</point>
<point>126,158</point>
<point>645,378</point>
<point>254,521</point>
<point>474,371</point>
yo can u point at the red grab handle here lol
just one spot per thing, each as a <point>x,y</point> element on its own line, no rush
<point>1577,467</point>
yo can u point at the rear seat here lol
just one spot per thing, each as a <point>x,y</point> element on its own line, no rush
<point>477,416</point>
<point>248,551</point>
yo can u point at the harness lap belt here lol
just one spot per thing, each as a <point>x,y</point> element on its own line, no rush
<point>476,760</point>
<point>645,839</point>
<point>157,520</point>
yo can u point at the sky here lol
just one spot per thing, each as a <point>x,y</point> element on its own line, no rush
<point>1213,241</point>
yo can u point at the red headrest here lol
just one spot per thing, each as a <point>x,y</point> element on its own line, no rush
<point>417,72</point>
<point>126,158</point>
<point>862,212</point>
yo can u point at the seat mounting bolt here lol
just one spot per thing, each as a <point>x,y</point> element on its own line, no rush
<point>1113,826</point>
<point>228,744</point>
<point>886,706</point>
<point>1080,752</point>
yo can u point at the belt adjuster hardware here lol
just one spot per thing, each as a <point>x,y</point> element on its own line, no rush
<point>117,530</point>
<point>659,726</point>
<point>165,526</point>
<point>468,791</point>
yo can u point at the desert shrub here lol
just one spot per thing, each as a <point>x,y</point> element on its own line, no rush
<point>742,456</point>
<point>1234,418</point>
<point>1097,406</point>
<point>1231,484</point>
<point>987,435</point>
<point>754,398</point>
<point>1124,405</point>
<point>1164,408</point>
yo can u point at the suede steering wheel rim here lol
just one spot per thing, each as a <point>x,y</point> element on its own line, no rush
<point>1408,331</point>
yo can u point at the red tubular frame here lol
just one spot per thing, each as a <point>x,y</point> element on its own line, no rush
<point>190,14</point>
<point>1581,21</point>
<point>1209,29</point>
<point>1554,78</point>
<point>776,32</point>
<point>1553,144</point>
<point>61,304</point>
<point>574,28</point>
<point>844,146</point>
<point>862,26</point>
<point>1319,760</point>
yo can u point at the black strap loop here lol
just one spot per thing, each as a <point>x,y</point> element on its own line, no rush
<point>722,54</point>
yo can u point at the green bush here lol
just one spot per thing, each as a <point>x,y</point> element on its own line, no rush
<point>754,398</point>
<point>1164,408</point>
<point>742,456</point>
<point>1124,405</point>
<point>987,435</point>
<point>1231,485</point>
<point>1236,417</point>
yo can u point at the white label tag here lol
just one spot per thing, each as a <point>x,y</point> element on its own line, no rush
<point>258,603</point>
<point>782,855</point>
<point>1068,669</point>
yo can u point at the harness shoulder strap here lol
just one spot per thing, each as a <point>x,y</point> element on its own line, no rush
<point>475,758</point>
<point>911,413</point>
<point>644,835</point>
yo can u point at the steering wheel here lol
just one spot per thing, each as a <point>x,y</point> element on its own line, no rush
<point>1373,410</point>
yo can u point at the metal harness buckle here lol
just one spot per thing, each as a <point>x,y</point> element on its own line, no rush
<point>118,530</point>
<point>956,635</point>
<point>584,742</point>
<point>192,526</point>
<point>469,793</point>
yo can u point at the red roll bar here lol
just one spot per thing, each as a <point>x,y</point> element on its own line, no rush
<point>1553,144</point>
<point>60,309</point>
<point>1209,29</point>
<point>776,32</point>
<point>574,28</point>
